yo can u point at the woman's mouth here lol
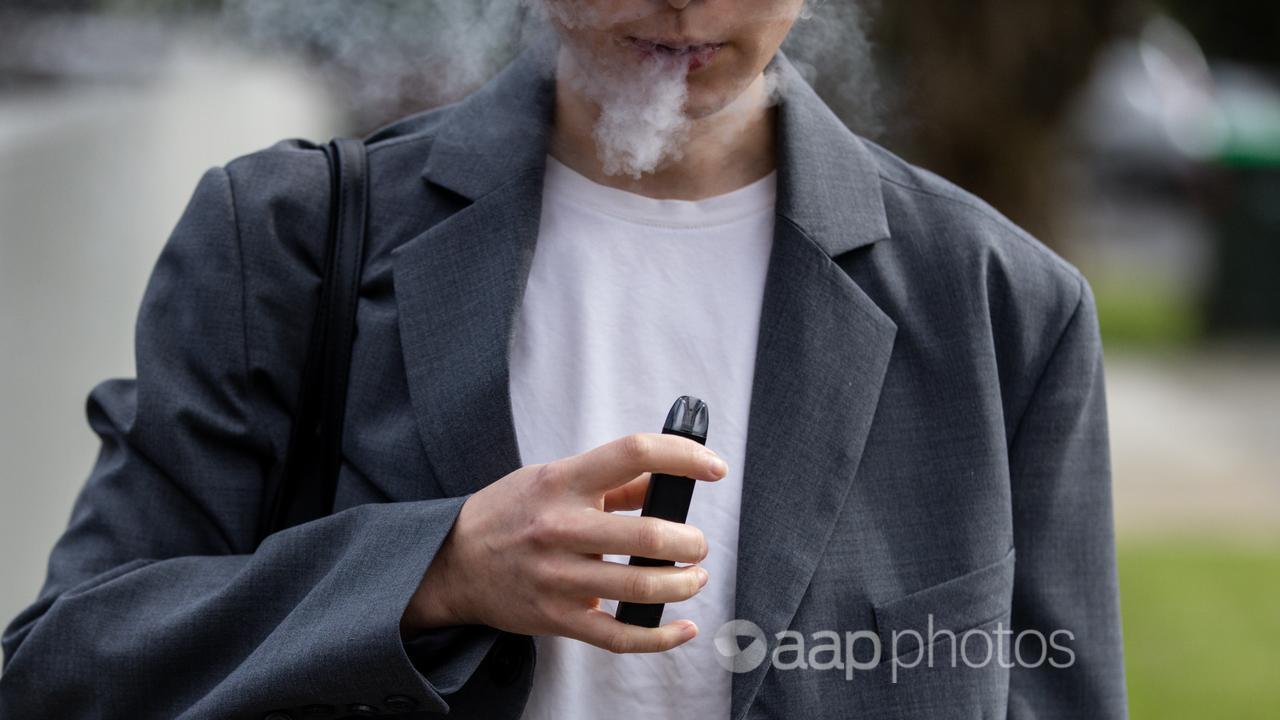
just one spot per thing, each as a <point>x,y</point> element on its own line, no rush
<point>695,55</point>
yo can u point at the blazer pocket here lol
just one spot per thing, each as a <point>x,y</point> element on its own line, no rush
<point>959,604</point>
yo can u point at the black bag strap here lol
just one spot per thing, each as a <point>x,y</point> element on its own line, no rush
<point>306,486</point>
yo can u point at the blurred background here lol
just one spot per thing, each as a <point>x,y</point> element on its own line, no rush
<point>1141,140</point>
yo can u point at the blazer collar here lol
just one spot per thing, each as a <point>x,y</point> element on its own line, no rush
<point>500,130</point>
<point>822,355</point>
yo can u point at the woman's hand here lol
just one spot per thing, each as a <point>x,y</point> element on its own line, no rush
<point>525,553</point>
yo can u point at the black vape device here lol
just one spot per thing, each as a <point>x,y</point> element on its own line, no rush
<point>668,498</point>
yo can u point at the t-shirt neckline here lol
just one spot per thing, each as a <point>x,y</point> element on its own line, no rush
<point>563,183</point>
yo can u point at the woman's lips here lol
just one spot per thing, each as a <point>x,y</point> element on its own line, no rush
<point>695,54</point>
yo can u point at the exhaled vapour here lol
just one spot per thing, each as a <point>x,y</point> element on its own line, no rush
<point>642,122</point>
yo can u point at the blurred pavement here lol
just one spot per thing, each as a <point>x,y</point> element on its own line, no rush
<point>1196,442</point>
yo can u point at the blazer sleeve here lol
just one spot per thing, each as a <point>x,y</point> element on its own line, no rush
<point>1065,584</point>
<point>156,603</point>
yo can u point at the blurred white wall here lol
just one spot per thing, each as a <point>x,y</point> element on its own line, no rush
<point>92,181</point>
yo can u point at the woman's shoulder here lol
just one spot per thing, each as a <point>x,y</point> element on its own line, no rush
<point>918,200</point>
<point>280,193</point>
<point>946,236</point>
<point>954,270</point>
<point>296,167</point>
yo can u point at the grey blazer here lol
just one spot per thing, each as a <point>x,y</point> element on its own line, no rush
<point>927,443</point>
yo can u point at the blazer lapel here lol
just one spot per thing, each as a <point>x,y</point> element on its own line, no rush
<point>821,358</point>
<point>457,288</point>
<point>459,284</point>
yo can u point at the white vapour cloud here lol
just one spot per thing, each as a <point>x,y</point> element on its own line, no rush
<point>642,122</point>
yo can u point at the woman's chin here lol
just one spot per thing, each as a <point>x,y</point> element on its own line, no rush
<point>708,98</point>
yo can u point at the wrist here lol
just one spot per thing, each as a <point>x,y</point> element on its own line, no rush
<point>430,608</point>
<point>434,603</point>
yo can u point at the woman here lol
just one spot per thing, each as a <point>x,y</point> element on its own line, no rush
<point>906,498</point>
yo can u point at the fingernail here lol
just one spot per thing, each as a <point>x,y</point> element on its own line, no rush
<point>718,467</point>
<point>702,578</point>
<point>689,628</point>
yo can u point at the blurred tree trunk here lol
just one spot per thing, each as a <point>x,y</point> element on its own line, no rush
<point>983,87</point>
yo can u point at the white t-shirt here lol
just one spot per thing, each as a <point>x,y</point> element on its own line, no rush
<point>631,302</point>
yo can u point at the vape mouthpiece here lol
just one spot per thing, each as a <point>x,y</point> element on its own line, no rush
<point>689,416</point>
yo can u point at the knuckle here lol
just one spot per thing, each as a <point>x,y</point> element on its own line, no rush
<point>639,585</point>
<point>650,537</point>
<point>636,447</point>
<point>549,529</point>
<point>550,576</point>
<point>549,614</point>
<point>553,474</point>
<point>696,453</point>
<point>617,642</point>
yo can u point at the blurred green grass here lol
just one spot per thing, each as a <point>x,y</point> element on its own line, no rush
<point>1141,312</point>
<point>1201,628</point>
